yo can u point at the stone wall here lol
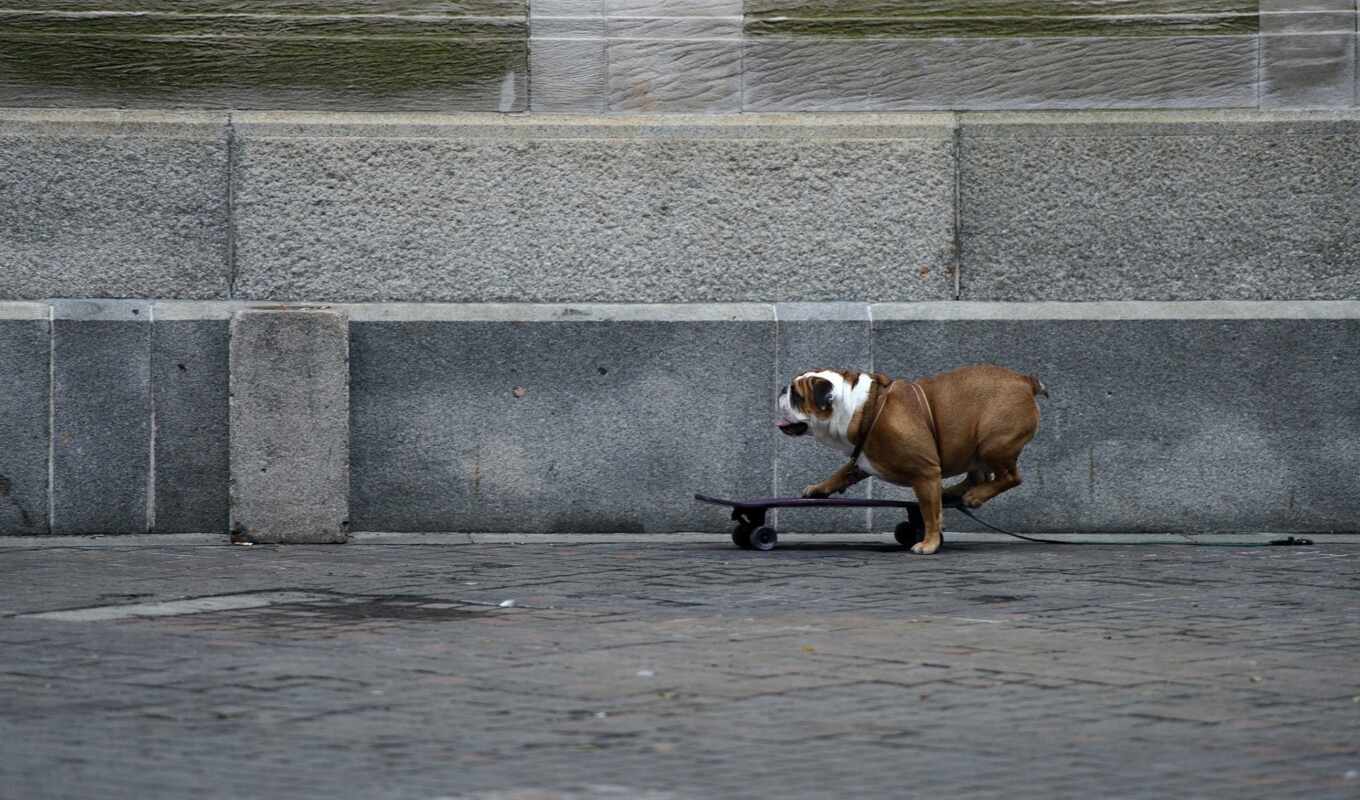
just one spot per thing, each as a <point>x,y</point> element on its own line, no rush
<point>697,56</point>
<point>750,208</point>
<point>1200,416</point>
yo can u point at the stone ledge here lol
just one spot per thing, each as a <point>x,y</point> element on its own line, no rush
<point>189,310</point>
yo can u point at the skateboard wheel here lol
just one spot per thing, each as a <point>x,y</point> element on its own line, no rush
<point>741,537</point>
<point>764,538</point>
<point>908,534</point>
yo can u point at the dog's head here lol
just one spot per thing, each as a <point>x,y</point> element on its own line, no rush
<point>809,401</point>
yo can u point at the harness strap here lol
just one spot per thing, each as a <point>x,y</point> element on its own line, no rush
<point>874,394</point>
<point>930,415</point>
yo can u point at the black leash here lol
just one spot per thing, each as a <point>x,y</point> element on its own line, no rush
<point>1288,541</point>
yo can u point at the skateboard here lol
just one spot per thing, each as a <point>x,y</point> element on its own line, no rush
<point>753,534</point>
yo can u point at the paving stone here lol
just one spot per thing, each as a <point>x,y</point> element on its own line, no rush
<point>101,416</point>
<point>25,350</point>
<point>641,670</point>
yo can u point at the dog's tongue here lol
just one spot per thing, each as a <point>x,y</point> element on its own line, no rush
<point>783,423</point>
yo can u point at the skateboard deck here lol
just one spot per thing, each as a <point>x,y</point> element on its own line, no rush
<point>753,533</point>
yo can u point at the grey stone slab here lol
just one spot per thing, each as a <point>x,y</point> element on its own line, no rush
<point>565,8</point>
<point>101,417</point>
<point>568,74</point>
<point>1167,212</point>
<point>1294,15</point>
<point>25,350</point>
<point>567,28</point>
<point>674,27</point>
<point>826,74</point>
<point>597,210</point>
<point>284,56</point>
<point>1308,54</point>
<point>673,8</point>
<point>558,426</point>
<point>190,390</point>
<point>998,18</point>
<point>670,75</point>
<point>112,205</point>
<point>1314,70</point>
<point>817,336</point>
<point>1165,425</point>
<point>289,418</point>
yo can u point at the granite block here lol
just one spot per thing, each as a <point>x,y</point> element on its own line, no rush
<point>1232,207</point>
<point>110,204</point>
<point>675,75</point>
<point>289,423</point>
<point>829,74</point>
<point>25,351</point>
<point>101,416</point>
<point>596,210</point>
<point>190,389</point>
<point>559,425</point>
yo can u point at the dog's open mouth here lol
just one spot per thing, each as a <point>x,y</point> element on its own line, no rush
<point>790,428</point>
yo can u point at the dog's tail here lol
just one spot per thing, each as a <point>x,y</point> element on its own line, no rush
<point>1037,385</point>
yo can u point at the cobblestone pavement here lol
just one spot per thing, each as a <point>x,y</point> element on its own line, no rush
<point>692,670</point>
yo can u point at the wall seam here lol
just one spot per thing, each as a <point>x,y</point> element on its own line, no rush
<point>51,417</point>
<point>528,58</point>
<point>231,208</point>
<point>958,206</point>
<point>1260,55</point>
<point>151,432</point>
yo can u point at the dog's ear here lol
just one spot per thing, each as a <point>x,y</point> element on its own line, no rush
<point>821,393</point>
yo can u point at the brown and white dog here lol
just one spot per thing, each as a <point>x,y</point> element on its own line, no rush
<point>974,421</point>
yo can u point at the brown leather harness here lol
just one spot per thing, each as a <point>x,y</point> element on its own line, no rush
<point>874,395</point>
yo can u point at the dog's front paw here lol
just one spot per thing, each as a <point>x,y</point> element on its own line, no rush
<point>815,491</point>
<point>926,548</point>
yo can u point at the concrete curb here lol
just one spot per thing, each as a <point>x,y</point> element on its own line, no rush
<point>664,539</point>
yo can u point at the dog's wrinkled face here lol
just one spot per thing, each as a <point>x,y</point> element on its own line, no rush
<point>809,401</point>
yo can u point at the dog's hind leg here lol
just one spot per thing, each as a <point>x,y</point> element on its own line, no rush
<point>1007,478</point>
<point>975,476</point>
<point>1002,459</point>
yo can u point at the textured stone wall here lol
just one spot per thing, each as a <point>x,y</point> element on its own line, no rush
<point>680,209</point>
<point>707,56</point>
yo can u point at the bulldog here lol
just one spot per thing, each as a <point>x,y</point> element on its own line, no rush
<point>973,421</point>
